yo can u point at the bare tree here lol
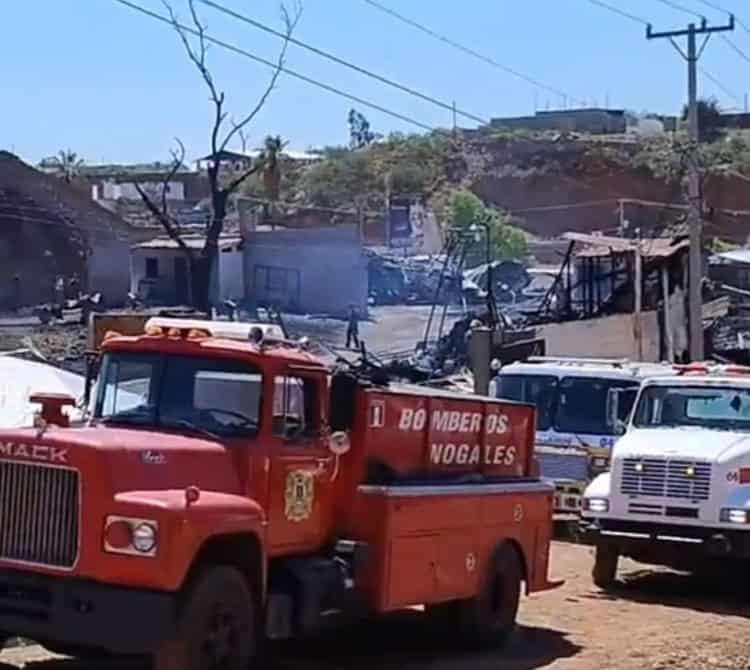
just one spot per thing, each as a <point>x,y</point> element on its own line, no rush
<point>160,211</point>
<point>224,129</point>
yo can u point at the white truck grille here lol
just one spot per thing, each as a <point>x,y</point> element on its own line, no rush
<point>673,478</point>
<point>39,514</point>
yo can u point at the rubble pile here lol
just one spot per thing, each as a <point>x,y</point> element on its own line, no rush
<point>396,280</point>
<point>62,345</point>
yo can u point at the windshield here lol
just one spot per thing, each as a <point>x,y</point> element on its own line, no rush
<point>723,408</point>
<point>217,397</point>
<point>569,404</point>
<point>540,390</point>
<point>583,405</point>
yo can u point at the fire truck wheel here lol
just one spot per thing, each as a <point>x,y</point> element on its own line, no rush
<point>216,626</point>
<point>604,572</point>
<point>490,617</point>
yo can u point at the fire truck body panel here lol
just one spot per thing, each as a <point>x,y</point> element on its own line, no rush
<point>118,520</point>
<point>432,543</point>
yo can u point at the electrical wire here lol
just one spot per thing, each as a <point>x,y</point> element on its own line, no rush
<point>681,8</point>
<point>724,10</point>
<point>715,80</point>
<point>617,10</point>
<point>729,41</point>
<point>471,52</point>
<point>341,61</point>
<point>292,73</point>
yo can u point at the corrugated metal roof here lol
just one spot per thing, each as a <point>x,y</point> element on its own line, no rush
<point>736,256</point>
<point>604,245</point>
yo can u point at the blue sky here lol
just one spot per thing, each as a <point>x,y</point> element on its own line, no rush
<point>115,86</point>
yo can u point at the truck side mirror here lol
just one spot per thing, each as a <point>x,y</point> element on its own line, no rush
<point>613,409</point>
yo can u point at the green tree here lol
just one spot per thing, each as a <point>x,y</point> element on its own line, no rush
<point>709,119</point>
<point>506,241</point>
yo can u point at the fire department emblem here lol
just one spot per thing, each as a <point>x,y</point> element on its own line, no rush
<point>299,495</point>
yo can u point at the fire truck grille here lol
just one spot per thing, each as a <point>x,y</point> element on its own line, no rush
<point>683,479</point>
<point>38,514</point>
<point>563,465</point>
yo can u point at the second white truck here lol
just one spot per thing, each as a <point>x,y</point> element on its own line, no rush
<point>678,491</point>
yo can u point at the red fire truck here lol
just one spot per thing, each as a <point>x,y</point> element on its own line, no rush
<point>229,488</point>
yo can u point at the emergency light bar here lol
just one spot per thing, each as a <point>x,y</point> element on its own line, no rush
<point>230,330</point>
<point>709,368</point>
<point>615,362</point>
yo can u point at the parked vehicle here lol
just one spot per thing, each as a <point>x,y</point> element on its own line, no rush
<point>573,436</point>
<point>678,493</point>
<point>230,486</point>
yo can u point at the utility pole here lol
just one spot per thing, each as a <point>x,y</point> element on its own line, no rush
<point>695,211</point>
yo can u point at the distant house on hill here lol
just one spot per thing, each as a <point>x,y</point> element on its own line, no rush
<point>48,229</point>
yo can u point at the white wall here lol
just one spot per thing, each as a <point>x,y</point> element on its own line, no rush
<point>111,190</point>
<point>231,275</point>
<point>605,337</point>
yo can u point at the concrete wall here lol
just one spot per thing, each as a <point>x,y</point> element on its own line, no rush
<point>227,280</point>
<point>606,337</point>
<point>231,282</point>
<point>108,269</point>
<point>315,271</point>
<point>597,121</point>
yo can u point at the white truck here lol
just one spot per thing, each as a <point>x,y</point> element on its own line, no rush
<point>573,435</point>
<point>678,491</point>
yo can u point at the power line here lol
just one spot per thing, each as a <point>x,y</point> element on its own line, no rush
<point>724,10</point>
<point>469,51</point>
<point>687,10</point>
<point>737,49</point>
<point>343,62</point>
<point>617,10</point>
<point>268,63</point>
<point>680,8</point>
<point>638,19</point>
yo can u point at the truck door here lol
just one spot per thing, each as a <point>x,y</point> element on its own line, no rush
<point>299,493</point>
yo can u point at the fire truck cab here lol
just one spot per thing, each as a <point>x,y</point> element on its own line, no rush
<point>678,493</point>
<point>228,486</point>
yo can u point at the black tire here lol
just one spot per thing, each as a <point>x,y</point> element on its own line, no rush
<point>216,627</point>
<point>490,617</point>
<point>604,572</point>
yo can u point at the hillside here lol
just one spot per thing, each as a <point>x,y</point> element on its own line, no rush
<point>548,182</point>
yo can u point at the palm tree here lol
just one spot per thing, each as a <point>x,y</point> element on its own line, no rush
<point>272,147</point>
<point>68,163</point>
<point>272,167</point>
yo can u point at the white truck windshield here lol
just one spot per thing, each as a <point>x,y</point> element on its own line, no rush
<point>723,408</point>
<point>567,404</point>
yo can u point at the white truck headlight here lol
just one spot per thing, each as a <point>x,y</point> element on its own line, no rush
<point>133,537</point>
<point>596,505</point>
<point>736,516</point>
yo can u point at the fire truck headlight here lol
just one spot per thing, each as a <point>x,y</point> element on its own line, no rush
<point>134,537</point>
<point>144,538</point>
<point>596,505</point>
<point>736,516</point>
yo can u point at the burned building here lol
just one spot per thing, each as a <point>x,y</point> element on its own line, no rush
<point>49,228</point>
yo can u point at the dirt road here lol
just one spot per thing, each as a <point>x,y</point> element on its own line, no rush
<point>655,621</point>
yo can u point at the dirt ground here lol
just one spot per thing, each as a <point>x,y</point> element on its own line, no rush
<point>656,620</point>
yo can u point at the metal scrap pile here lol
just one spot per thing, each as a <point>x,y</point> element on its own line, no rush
<point>397,280</point>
